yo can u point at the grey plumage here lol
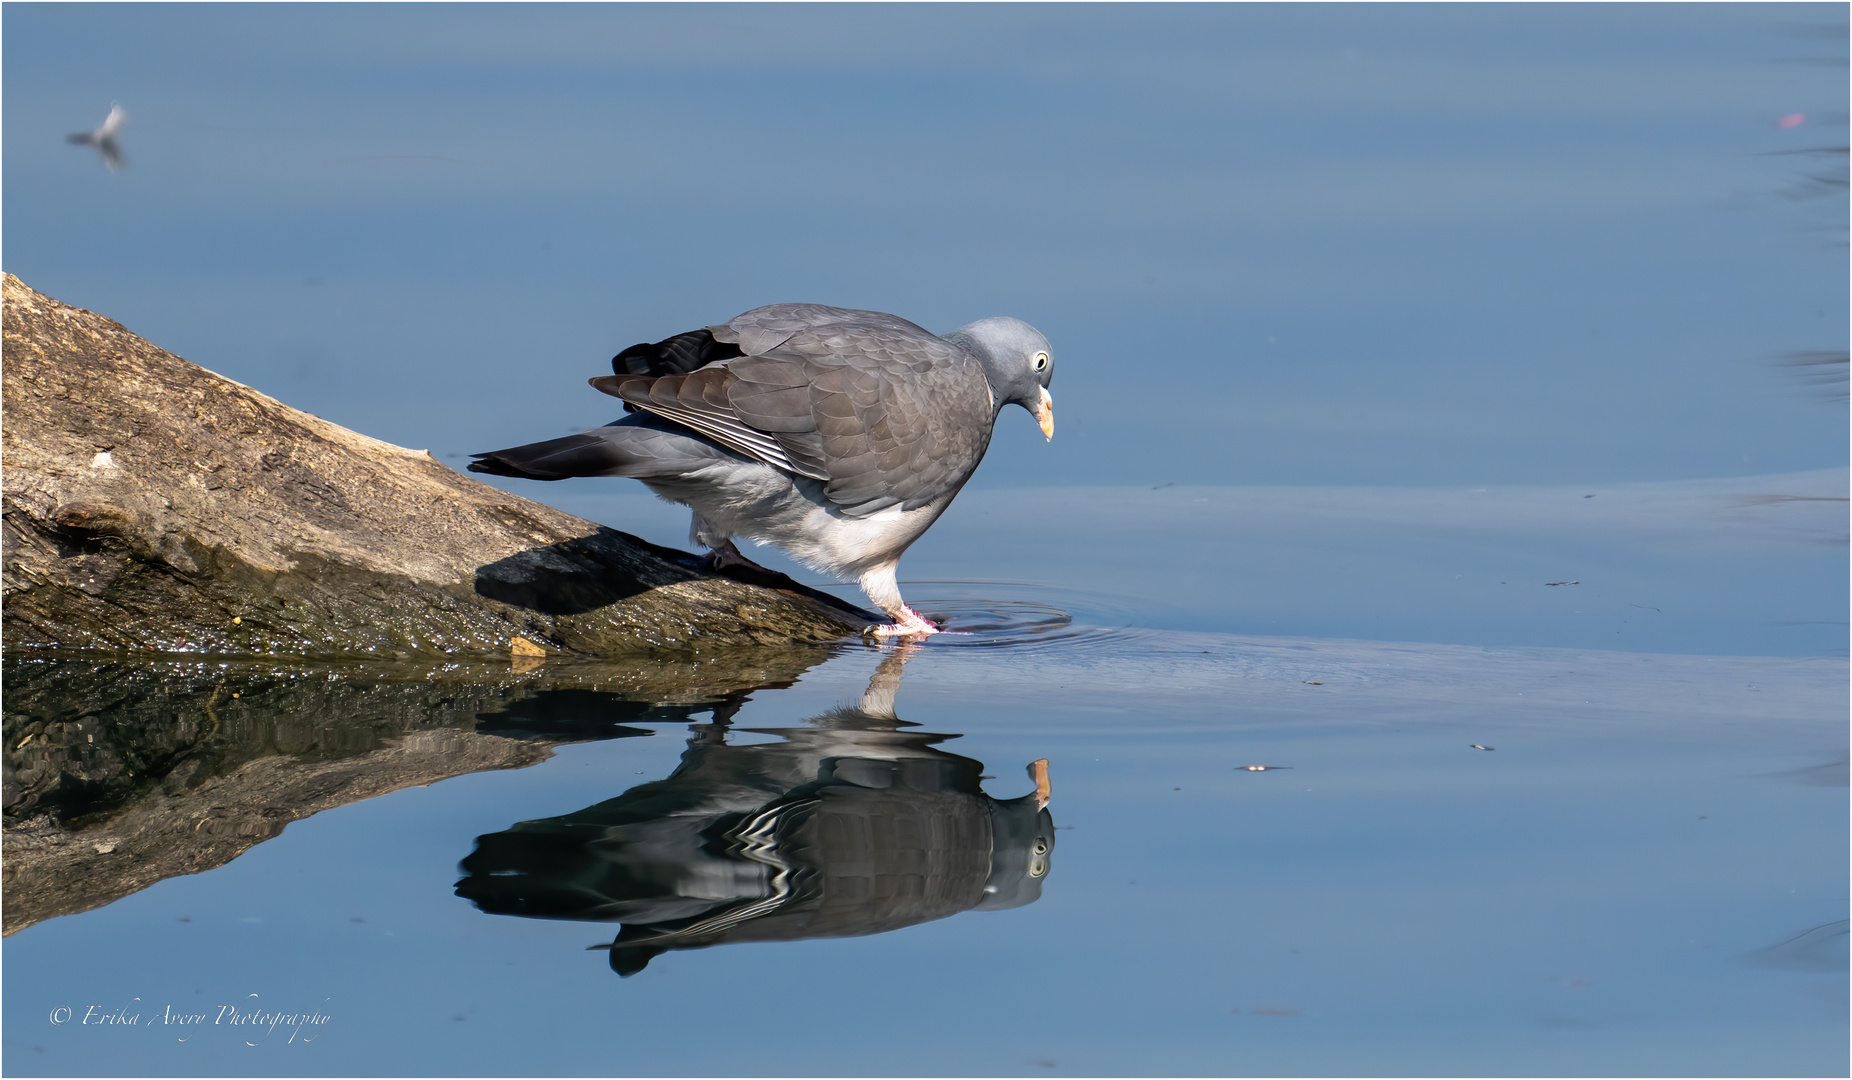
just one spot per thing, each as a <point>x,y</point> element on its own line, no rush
<point>851,822</point>
<point>836,435</point>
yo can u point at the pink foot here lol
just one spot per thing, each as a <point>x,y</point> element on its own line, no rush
<point>907,623</point>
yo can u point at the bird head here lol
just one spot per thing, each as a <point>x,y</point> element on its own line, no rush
<point>1018,363</point>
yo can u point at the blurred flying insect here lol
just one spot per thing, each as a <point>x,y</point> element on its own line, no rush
<point>105,138</point>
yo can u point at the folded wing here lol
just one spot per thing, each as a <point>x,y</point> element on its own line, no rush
<point>885,413</point>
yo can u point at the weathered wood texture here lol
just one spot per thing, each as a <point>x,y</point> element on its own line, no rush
<point>152,505</point>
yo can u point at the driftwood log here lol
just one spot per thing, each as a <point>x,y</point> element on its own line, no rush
<point>151,505</point>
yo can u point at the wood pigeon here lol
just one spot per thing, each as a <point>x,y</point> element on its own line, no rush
<point>836,435</point>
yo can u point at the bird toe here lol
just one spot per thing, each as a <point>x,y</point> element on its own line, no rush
<point>908,624</point>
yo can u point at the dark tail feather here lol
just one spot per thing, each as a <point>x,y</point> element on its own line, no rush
<point>556,459</point>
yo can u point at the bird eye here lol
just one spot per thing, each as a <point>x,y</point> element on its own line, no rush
<point>1041,847</point>
<point>1038,868</point>
<point>1041,361</point>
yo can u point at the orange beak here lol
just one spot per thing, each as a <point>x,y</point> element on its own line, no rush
<point>1045,414</point>
<point>1038,771</point>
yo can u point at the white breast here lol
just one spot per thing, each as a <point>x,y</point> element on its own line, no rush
<point>765,506</point>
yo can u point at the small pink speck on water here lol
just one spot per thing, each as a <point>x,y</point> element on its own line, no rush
<point>1792,120</point>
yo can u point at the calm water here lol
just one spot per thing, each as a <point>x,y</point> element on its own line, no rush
<point>1484,859</point>
<point>1464,861</point>
<point>1430,430</point>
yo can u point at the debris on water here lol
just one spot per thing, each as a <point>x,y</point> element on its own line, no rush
<point>1476,746</point>
<point>1562,583</point>
<point>525,656</point>
<point>1260,768</point>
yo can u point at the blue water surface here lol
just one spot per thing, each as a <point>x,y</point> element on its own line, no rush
<point>1450,415</point>
<point>1462,862</point>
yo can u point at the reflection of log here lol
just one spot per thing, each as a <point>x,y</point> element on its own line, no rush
<point>153,505</point>
<point>119,776</point>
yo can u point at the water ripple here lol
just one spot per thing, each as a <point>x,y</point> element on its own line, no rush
<point>1019,614</point>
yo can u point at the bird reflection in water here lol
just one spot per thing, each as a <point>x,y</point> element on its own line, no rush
<point>846,826</point>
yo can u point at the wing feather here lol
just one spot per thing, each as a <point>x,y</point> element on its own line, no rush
<point>670,397</point>
<point>881,410</point>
